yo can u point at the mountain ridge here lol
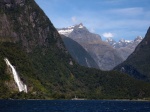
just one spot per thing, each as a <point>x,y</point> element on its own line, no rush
<point>108,53</point>
<point>124,47</point>
<point>104,55</point>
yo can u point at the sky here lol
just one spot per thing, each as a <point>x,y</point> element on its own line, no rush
<point>117,19</point>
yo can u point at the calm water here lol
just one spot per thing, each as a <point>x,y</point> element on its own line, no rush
<point>73,106</point>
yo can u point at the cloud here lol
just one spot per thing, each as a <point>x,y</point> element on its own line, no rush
<point>108,35</point>
<point>92,30</point>
<point>132,11</point>
<point>74,19</point>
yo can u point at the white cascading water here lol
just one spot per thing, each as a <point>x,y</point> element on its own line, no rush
<point>20,84</point>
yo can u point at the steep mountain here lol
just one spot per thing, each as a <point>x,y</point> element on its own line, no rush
<point>79,53</point>
<point>32,44</point>
<point>137,64</point>
<point>124,47</point>
<point>80,34</point>
<point>104,55</point>
<point>36,51</point>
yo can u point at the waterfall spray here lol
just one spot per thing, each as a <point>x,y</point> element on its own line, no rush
<point>20,84</point>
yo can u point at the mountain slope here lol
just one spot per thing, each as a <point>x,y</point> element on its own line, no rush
<point>25,27</point>
<point>31,43</point>
<point>104,55</point>
<point>137,64</point>
<point>79,53</point>
<point>22,21</point>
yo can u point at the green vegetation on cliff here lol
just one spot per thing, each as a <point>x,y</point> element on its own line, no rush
<point>48,75</point>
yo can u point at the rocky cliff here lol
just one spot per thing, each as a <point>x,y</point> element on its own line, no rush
<point>137,64</point>
<point>22,21</point>
<point>30,41</point>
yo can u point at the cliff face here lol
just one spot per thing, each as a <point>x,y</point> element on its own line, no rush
<point>137,64</point>
<point>30,41</point>
<point>22,21</point>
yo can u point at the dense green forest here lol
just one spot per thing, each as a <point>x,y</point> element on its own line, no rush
<point>50,76</point>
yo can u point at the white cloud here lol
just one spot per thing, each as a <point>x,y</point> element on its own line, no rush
<point>132,11</point>
<point>74,19</point>
<point>108,35</point>
<point>92,30</point>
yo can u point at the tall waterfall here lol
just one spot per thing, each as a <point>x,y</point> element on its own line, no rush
<point>20,84</point>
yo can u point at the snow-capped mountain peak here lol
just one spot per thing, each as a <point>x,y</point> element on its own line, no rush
<point>123,43</point>
<point>138,39</point>
<point>80,25</point>
<point>66,31</point>
<point>109,40</point>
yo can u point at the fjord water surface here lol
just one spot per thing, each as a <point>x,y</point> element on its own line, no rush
<point>73,106</point>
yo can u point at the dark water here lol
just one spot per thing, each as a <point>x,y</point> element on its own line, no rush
<point>73,106</point>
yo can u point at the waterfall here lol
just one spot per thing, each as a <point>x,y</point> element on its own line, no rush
<point>87,63</point>
<point>20,84</point>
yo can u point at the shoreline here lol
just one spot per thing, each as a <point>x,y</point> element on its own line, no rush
<point>82,99</point>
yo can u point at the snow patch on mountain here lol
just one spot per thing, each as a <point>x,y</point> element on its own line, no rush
<point>65,32</point>
<point>124,47</point>
<point>124,43</point>
<point>81,26</point>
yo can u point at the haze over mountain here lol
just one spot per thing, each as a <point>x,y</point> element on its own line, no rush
<point>36,51</point>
